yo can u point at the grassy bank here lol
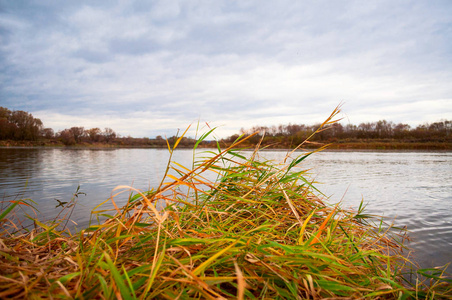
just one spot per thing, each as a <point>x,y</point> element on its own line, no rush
<point>391,145</point>
<point>269,143</point>
<point>84,145</point>
<point>257,229</point>
<point>346,145</point>
<point>357,144</point>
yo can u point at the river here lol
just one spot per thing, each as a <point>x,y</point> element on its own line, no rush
<point>412,189</point>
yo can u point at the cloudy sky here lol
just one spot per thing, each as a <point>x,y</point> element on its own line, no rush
<point>146,68</point>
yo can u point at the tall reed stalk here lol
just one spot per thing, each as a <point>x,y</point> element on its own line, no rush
<point>260,230</point>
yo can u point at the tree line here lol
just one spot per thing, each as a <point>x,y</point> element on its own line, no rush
<point>22,126</point>
<point>79,135</point>
<point>386,131</point>
<point>18,125</point>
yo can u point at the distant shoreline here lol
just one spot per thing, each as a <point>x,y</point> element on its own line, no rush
<point>339,145</point>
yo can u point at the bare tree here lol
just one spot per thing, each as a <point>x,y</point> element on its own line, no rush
<point>109,134</point>
<point>48,133</point>
<point>67,137</point>
<point>78,133</point>
<point>94,134</point>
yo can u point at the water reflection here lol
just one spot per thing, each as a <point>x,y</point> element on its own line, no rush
<point>17,167</point>
<point>48,174</point>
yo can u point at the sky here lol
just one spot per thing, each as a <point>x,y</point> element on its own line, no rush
<point>147,68</point>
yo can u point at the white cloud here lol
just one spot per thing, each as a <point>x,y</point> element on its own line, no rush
<point>143,67</point>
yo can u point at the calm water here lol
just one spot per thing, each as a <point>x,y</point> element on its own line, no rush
<point>413,187</point>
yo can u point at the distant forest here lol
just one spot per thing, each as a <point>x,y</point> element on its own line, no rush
<point>21,128</point>
<point>382,134</point>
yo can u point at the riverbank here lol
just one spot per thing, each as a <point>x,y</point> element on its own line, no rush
<point>338,145</point>
<point>383,145</point>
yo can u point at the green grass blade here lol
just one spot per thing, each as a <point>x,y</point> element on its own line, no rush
<point>126,293</point>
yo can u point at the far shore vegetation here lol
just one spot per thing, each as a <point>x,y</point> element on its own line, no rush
<point>260,230</point>
<point>21,129</point>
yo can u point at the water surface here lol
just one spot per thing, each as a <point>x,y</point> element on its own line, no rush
<point>412,188</point>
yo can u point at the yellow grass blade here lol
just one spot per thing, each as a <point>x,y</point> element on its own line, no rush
<point>179,139</point>
<point>305,223</point>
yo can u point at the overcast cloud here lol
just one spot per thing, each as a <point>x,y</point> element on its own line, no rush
<point>146,68</point>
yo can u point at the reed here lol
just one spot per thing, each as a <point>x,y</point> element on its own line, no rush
<point>257,230</point>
